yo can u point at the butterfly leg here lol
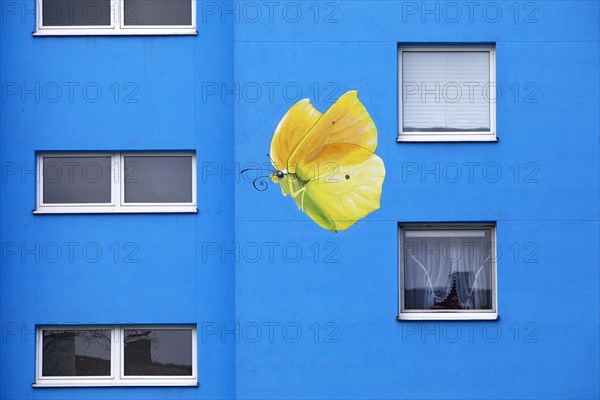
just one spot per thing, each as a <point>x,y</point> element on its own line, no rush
<point>301,193</point>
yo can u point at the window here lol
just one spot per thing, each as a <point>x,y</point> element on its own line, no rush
<point>160,355</point>
<point>116,17</point>
<point>447,93</point>
<point>116,182</point>
<point>447,271</point>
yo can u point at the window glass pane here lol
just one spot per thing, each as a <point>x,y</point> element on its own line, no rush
<point>158,179</point>
<point>446,91</point>
<point>75,12</point>
<point>158,12</point>
<point>158,352</point>
<point>76,180</point>
<point>448,269</point>
<point>76,353</point>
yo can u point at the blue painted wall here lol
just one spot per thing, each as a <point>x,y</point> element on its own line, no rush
<point>545,344</point>
<point>315,312</point>
<point>158,275</point>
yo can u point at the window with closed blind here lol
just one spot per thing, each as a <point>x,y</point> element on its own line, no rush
<point>447,93</point>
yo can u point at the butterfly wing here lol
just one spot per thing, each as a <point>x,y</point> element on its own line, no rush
<point>342,191</point>
<point>346,121</point>
<point>335,176</point>
<point>290,131</point>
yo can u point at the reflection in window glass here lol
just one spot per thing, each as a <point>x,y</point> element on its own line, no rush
<point>158,352</point>
<point>158,179</point>
<point>158,12</point>
<point>75,12</point>
<point>71,180</point>
<point>76,353</point>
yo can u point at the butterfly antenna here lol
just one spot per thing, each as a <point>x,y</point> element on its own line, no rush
<point>273,162</point>
<point>260,182</point>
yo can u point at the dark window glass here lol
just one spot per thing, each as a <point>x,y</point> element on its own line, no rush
<point>75,12</point>
<point>158,352</point>
<point>448,270</point>
<point>158,12</point>
<point>158,179</point>
<point>76,353</point>
<point>76,180</point>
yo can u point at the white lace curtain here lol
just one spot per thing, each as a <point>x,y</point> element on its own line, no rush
<point>433,260</point>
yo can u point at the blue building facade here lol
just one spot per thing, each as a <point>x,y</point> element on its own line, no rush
<point>281,307</point>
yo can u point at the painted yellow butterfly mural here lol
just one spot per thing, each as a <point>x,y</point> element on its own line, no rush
<point>327,162</point>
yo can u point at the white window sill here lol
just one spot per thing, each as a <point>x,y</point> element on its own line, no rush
<point>447,316</point>
<point>115,32</point>
<point>446,137</point>
<point>92,383</point>
<point>116,210</point>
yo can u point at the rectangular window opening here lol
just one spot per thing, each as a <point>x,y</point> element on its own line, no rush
<point>447,93</point>
<point>158,355</point>
<point>116,17</point>
<point>116,182</point>
<point>447,271</point>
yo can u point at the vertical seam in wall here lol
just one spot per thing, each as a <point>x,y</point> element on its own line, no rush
<point>598,160</point>
<point>197,200</point>
<point>234,203</point>
<point>235,187</point>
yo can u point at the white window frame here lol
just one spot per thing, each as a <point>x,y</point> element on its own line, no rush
<point>117,354</point>
<point>117,26</point>
<point>117,204</point>
<point>404,314</point>
<point>449,136</point>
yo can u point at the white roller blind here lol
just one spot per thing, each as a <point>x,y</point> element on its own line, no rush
<point>445,91</point>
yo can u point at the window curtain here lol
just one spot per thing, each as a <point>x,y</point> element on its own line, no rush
<point>446,91</point>
<point>433,263</point>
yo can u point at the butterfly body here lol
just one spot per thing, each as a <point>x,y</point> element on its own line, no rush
<point>290,185</point>
<point>326,162</point>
